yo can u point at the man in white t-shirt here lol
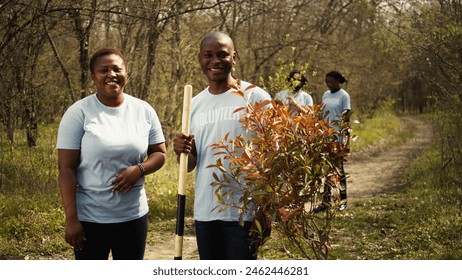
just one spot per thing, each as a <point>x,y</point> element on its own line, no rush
<point>219,235</point>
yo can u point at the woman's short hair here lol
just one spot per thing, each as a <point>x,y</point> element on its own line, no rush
<point>103,52</point>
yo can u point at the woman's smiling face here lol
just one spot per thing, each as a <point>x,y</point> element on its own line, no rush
<point>332,83</point>
<point>109,75</point>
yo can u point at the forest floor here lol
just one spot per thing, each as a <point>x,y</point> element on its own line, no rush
<point>372,172</point>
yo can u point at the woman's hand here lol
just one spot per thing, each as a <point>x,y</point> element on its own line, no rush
<point>126,179</point>
<point>74,234</point>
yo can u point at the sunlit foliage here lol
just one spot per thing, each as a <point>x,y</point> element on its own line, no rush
<point>284,165</point>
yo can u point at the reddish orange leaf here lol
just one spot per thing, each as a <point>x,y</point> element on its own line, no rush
<point>253,176</point>
<point>238,93</point>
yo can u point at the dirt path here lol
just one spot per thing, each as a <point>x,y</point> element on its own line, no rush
<point>163,247</point>
<point>381,169</point>
<point>373,172</point>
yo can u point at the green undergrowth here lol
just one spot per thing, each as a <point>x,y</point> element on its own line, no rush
<point>31,215</point>
<point>385,128</point>
<point>421,222</point>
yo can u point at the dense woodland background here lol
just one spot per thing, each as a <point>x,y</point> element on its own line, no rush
<point>402,50</point>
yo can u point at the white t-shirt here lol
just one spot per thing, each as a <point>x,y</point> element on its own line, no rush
<point>303,98</point>
<point>212,118</point>
<point>109,140</point>
<point>335,104</point>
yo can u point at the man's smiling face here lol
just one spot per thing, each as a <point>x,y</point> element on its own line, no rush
<point>217,58</point>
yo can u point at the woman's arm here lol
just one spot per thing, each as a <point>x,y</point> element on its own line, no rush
<point>68,161</point>
<point>157,155</point>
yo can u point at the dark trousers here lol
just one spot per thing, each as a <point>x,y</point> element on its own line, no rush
<point>221,240</point>
<point>126,241</point>
<point>343,182</point>
<point>343,186</point>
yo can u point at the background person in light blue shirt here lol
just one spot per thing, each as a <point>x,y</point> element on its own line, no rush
<point>337,105</point>
<point>107,142</point>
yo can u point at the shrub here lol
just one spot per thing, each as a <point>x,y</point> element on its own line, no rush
<point>284,165</point>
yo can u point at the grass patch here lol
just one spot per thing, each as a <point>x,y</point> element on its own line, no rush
<point>32,218</point>
<point>31,227</point>
<point>385,129</point>
<point>374,130</point>
<point>421,222</point>
<point>162,189</point>
<point>30,208</point>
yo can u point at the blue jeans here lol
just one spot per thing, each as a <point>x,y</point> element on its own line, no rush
<point>221,240</point>
<point>126,241</point>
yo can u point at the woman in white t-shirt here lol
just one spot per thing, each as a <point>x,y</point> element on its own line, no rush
<point>296,81</point>
<point>107,142</point>
<point>337,106</point>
